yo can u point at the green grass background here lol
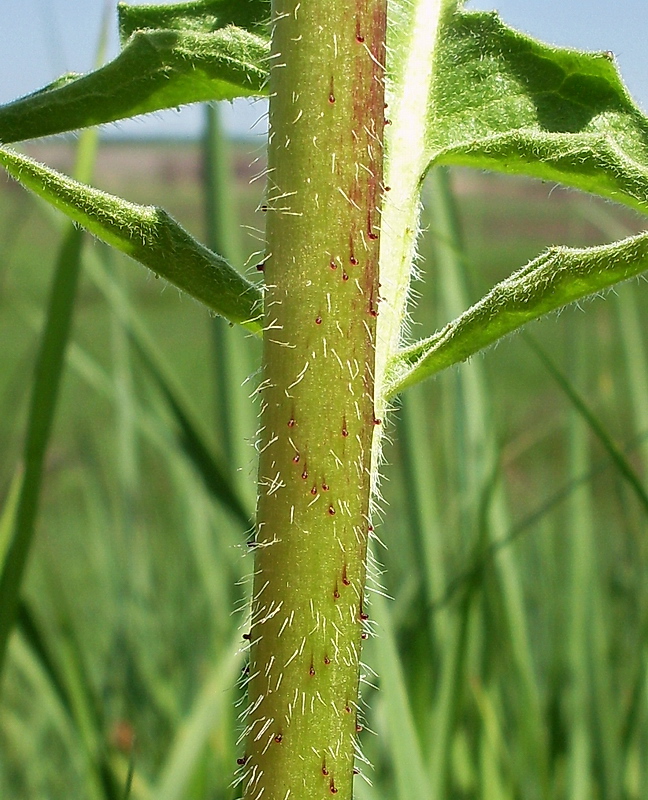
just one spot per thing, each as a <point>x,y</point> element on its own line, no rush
<point>511,660</point>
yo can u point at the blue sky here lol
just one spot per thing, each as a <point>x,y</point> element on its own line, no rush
<point>40,39</point>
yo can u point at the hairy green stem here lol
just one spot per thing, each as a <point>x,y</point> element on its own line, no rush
<point>321,269</point>
<point>409,88</point>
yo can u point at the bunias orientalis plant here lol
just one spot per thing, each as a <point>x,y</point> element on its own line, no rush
<point>365,97</point>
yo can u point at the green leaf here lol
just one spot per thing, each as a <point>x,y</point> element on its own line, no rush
<point>556,278</point>
<point>147,234</point>
<point>157,69</point>
<point>500,100</point>
<point>203,16</point>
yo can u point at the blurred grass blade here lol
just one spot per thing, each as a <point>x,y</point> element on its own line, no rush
<point>60,656</point>
<point>632,339</point>
<point>47,378</point>
<point>481,558</point>
<point>218,181</point>
<point>194,442</point>
<point>231,353</point>
<point>581,544</point>
<point>411,776</point>
<point>193,733</point>
<point>635,721</point>
<point>484,507</point>
<point>32,635</point>
<point>630,322</point>
<point>594,710</point>
<point>8,516</point>
<point>125,398</point>
<point>148,235</point>
<point>192,435</point>
<point>36,681</point>
<point>129,776</point>
<point>450,693</point>
<point>45,389</point>
<point>596,426</point>
<point>422,509</point>
<point>493,753</point>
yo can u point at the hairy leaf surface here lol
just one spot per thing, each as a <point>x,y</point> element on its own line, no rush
<point>147,234</point>
<point>157,69</point>
<point>200,16</point>
<point>558,277</point>
<point>497,99</point>
<point>501,100</point>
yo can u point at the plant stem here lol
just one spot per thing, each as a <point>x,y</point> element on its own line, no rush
<point>324,193</point>
<point>413,34</point>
